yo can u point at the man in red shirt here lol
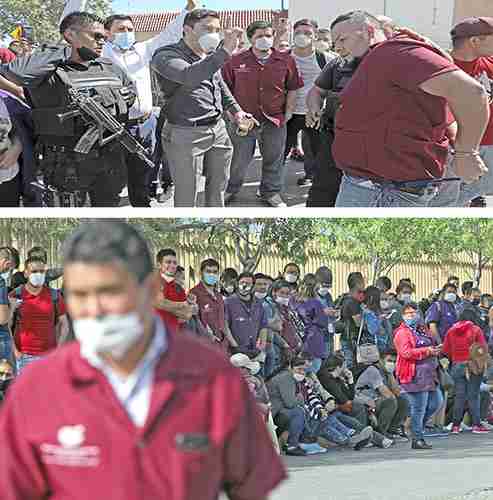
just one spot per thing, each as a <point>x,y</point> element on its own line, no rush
<point>211,305</point>
<point>39,312</point>
<point>264,82</point>
<point>391,129</point>
<point>171,302</point>
<point>132,410</point>
<point>472,51</point>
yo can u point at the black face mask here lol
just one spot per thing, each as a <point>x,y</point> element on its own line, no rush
<point>4,385</point>
<point>475,302</point>
<point>87,54</point>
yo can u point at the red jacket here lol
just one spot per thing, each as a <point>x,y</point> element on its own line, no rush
<point>459,340</point>
<point>407,354</point>
<point>71,439</point>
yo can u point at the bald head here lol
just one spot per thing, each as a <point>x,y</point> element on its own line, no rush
<point>388,25</point>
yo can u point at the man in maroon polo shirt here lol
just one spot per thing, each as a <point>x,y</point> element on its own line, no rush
<point>211,305</point>
<point>132,410</point>
<point>264,81</point>
<point>171,303</point>
<point>391,129</point>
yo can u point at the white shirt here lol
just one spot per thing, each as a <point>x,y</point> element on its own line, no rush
<point>8,173</point>
<point>136,60</point>
<point>309,70</point>
<point>134,391</point>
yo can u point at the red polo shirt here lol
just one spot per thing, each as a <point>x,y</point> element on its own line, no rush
<point>387,127</point>
<point>211,308</point>
<point>482,70</point>
<point>35,331</point>
<point>6,55</point>
<point>74,440</point>
<point>261,89</point>
<point>174,292</point>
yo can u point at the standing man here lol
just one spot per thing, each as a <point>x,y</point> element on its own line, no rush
<point>265,83</point>
<point>473,53</point>
<point>179,417</point>
<point>135,58</point>
<point>6,268</point>
<point>195,137</point>
<point>47,76</point>
<point>38,315</point>
<point>391,141</point>
<point>246,319</point>
<point>211,305</point>
<point>171,302</point>
<point>310,63</point>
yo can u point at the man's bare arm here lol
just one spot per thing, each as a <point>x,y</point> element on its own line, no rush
<point>11,87</point>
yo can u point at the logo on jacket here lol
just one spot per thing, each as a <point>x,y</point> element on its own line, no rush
<point>71,436</point>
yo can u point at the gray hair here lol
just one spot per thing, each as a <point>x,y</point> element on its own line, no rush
<point>105,242</point>
<point>358,17</point>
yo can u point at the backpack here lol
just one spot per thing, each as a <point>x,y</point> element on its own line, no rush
<point>55,298</point>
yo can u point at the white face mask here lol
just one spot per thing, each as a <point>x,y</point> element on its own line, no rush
<point>450,297</point>
<point>244,289</point>
<point>229,289</point>
<point>37,279</point>
<point>6,277</point>
<point>291,278</point>
<point>282,301</point>
<point>384,304</point>
<point>405,298</point>
<point>322,46</point>
<point>124,40</point>
<point>390,366</point>
<point>264,43</point>
<point>209,42</point>
<point>323,291</point>
<point>114,334</point>
<point>298,377</point>
<point>302,41</point>
<point>260,295</point>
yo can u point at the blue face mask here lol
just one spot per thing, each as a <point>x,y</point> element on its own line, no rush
<point>314,367</point>
<point>411,322</point>
<point>210,279</point>
<point>125,40</point>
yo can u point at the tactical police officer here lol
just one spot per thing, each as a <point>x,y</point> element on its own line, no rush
<point>48,76</point>
<point>331,82</point>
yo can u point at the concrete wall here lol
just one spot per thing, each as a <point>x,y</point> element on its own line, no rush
<point>432,18</point>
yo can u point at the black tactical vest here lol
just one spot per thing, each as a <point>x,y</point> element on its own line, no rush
<point>51,99</point>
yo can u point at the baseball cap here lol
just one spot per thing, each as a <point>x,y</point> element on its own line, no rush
<point>473,26</point>
<point>241,360</point>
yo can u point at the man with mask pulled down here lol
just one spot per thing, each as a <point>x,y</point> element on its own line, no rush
<point>133,389</point>
<point>68,175</point>
<point>194,135</point>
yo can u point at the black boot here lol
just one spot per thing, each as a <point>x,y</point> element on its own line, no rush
<point>421,444</point>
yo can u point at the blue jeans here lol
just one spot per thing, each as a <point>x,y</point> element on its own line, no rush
<point>362,192</point>
<point>466,389</point>
<point>296,426</point>
<point>347,350</point>
<point>423,405</point>
<point>334,430</point>
<point>7,348</point>
<point>25,360</point>
<point>271,141</point>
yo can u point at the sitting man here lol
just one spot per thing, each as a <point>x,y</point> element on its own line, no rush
<point>378,388</point>
<point>338,381</point>
<point>287,404</point>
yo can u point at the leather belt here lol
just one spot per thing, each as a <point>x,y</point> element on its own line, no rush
<point>206,122</point>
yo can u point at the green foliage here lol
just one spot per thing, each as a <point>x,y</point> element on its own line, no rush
<point>42,15</point>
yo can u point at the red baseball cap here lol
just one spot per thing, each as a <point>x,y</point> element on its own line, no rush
<point>473,26</point>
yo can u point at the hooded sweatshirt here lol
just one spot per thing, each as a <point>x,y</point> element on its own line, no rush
<point>459,340</point>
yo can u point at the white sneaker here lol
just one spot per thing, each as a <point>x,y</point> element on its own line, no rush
<point>486,425</point>
<point>449,426</point>
<point>275,201</point>
<point>465,428</point>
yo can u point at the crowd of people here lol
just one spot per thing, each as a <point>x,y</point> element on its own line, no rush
<point>372,367</point>
<point>387,117</point>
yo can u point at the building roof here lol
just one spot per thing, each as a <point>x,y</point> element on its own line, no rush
<point>156,21</point>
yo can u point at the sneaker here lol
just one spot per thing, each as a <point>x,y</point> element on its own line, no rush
<point>297,155</point>
<point>479,202</point>
<point>479,429</point>
<point>465,428</point>
<point>313,448</point>
<point>399,435</point>
<point>304,181</point>
<point>365,435</point>
<point>436,432</point>
<point>229,197</point>
<point>486,425</point>
<point>420,444</point>
<point>295,451</point>
<point>258,194</point>
<point>275,201</point>
<point>387,443</point>
<point>455,429</point>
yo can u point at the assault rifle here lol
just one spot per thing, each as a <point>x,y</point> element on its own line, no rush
<point>101,121</point>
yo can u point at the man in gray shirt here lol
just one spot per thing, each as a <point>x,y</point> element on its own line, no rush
<point>195,137</point>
